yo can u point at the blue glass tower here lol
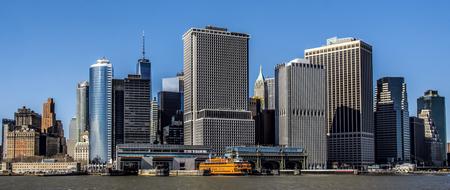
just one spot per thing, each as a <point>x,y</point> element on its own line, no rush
<point>100,111</point>
<point>144,66</point>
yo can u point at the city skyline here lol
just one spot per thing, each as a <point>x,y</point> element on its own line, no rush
<point>32,48</point>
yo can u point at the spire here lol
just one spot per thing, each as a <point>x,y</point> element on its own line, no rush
<point>260,76</point>
<point>143,44</point>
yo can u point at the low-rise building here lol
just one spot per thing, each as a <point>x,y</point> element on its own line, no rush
<point>45,167</point>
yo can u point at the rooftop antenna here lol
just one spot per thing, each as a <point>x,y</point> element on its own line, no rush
<point>143,44</point>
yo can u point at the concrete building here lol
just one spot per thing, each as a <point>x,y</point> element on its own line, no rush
<point>100,111</point>
<point>45,167</point>
<point>22,142</point>
<point>264,123</point>
<point>350,100</point>
<point>48,115</point>
<point>270,85</point>
<point>392,135</point>
<point>26,116</point>
<point>82,109</point>
<point>417,137</point>
<point>431,100</point>
<point>301,104</point>
<point>216,88</point>
<point>154,122</point>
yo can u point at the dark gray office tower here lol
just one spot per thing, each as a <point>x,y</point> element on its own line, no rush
<point>136,128</point>
<point>216,89</point>
<point>432,101</point>
<point>264,123</point>
<point>350,100</point>
<point>118,108</point>
<point>144,66</point>
<point>417,140</point>
<point>392,143</point>
<point>170,107</point>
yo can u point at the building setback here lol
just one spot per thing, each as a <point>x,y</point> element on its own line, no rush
<point>48,115</point>
<point>216,89</point>
<point>300,119</point>
<point>431,100</point>
<point>100,111</point>
<point>26,116</point>
<point>392,135</point>
<point>350,100</point>
<point>432,141</point>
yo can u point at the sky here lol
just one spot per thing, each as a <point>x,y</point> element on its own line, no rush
<point>46,47</point>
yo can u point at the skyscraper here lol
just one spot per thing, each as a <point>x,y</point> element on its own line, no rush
<point>136,104</point>
<point>154,119</point>
<point>301,104</point>
<point>392,135</point>
<point>82,109</point>
<point>260,89</point>
<point>417,137</point>
<point>350,99</point>
<point>216,88</point>
<point>73,137</point>
<point>100,111</point>
<point>144,66</point>
<point>431,100</point>
<point>270,85</point>
<point>432,140</point>
<point>48,115</point>
<point>118,113</point>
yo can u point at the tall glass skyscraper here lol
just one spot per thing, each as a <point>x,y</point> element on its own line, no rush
<point>82,109</point>
<point>392,134</point>
<point>144,66</point>
<point>100,111</point>
<point>432,101</point>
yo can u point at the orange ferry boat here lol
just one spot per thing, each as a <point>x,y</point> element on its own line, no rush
<point>226,166</point>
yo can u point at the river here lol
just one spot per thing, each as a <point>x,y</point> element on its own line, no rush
<point>319,182</point>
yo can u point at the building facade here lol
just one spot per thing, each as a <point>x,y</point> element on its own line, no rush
<point>81,149</point>
<point>22,142</point>
<point>82,109</point>
<point>432,140</point>
<point>350,100</point>
<point>300,119</point>
<point>48,115</point>
<point>417,137</point>
<point>26,116</point>
<point>392,135</point>
<point>73,136</point>
<point>431,100</point>
<point>154,122</point>
<point>270,85</point>
<point>216,88</point>
<point>100,111</point>
<point>136,118</point>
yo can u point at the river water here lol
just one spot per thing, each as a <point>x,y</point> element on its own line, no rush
<point>332,182</point>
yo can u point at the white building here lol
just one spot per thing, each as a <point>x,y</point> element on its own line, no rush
<point>216,88</point>
<point>300,118</point>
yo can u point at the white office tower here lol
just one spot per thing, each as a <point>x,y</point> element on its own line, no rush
<point>300,119</point>
<point>216,89</point>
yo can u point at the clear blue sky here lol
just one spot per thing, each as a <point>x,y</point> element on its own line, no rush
<point>46,47</point>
